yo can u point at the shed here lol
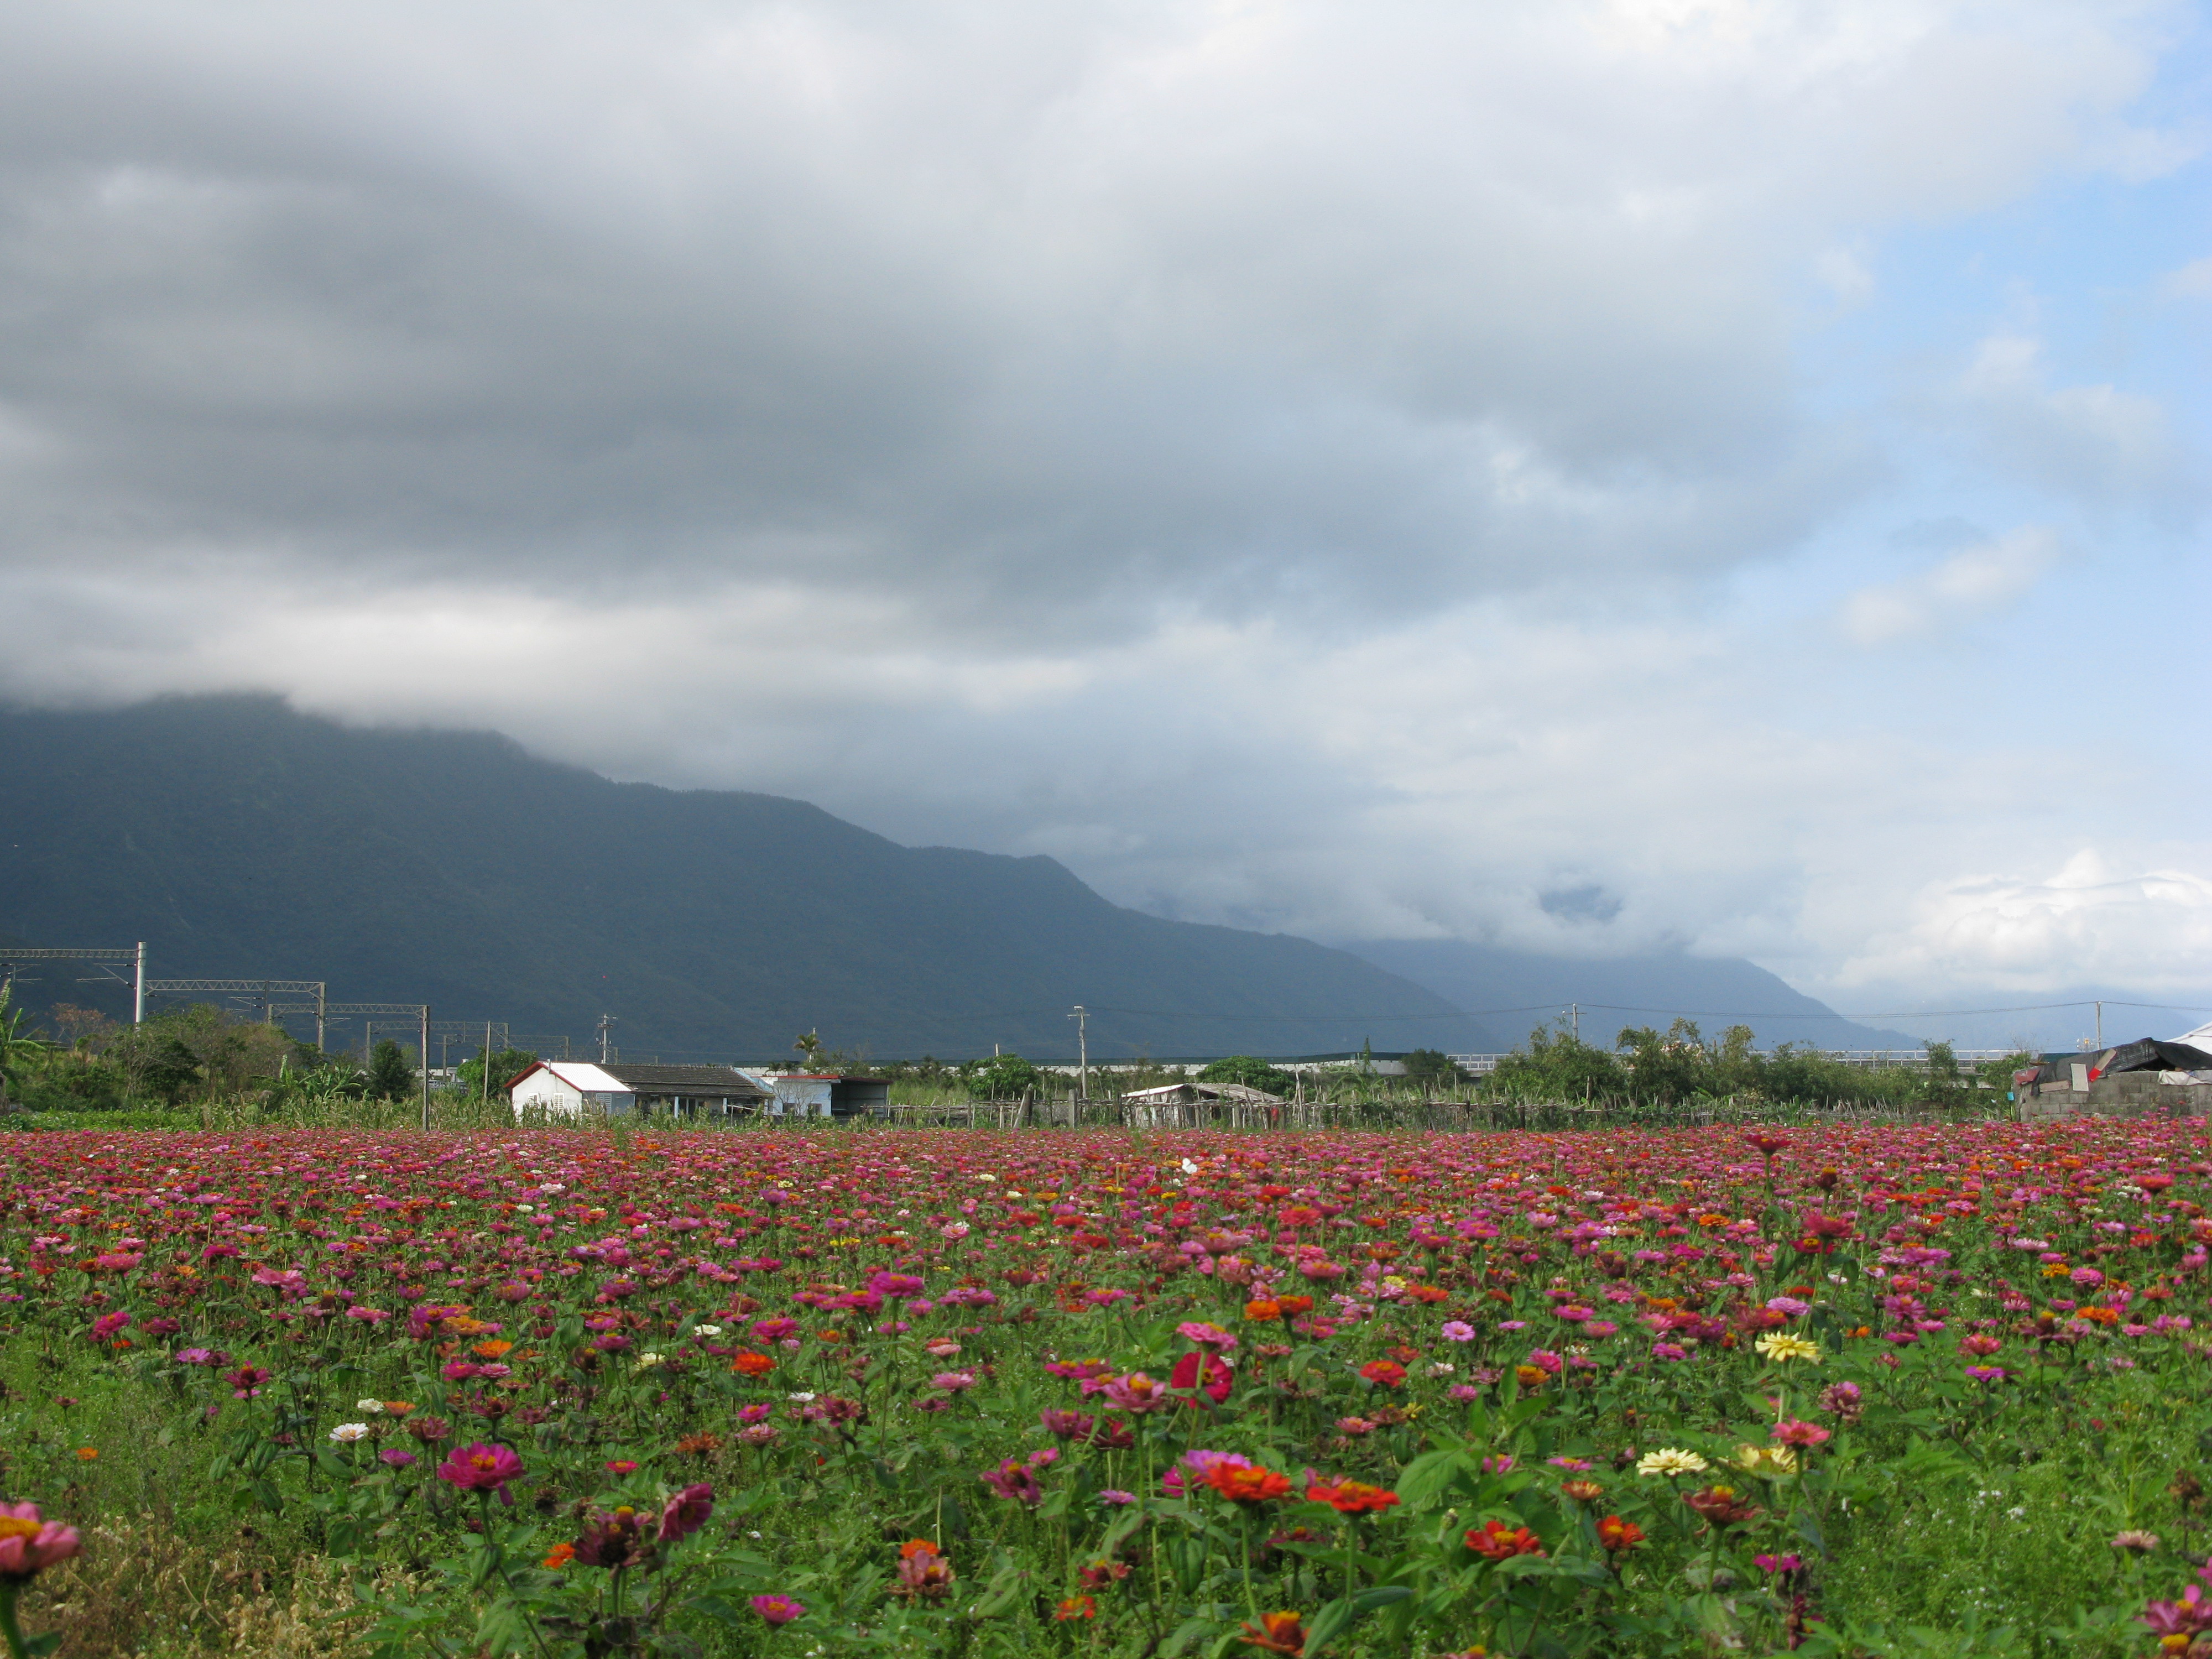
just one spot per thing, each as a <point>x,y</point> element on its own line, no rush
<point>1190,1103</point>
<point>825,1094</point>
<point>565,1087</point>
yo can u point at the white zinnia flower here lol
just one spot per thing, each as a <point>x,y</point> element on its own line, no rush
<point>374,1408</point>
<point>646,1362</point>
<point>1671,1459</point>
<point>346,1433</point>
<point>709,1332</point>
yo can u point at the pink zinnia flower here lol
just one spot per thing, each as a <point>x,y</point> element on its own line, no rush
<point>1457,1330</point>
<point>778,1609</point>
<point>1797,1433</point>
<point>29,1544</point>
<point>1136,1392</point>
<point>1206,1335</point>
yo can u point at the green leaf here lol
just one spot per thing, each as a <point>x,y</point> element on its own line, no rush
<point>1429,1476</point>
<point>1331,1622</point>
<point>1186,1633</point>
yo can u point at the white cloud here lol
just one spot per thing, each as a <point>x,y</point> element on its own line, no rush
<point>2097,444</point>
<point>1971,583</point>
<point>2095,919</point>
<point>2193,280</point>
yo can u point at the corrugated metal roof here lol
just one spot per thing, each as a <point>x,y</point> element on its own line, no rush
<point>682,1079</point>
<point>1187,1091</point>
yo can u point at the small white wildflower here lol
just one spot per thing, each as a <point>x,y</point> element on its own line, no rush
<point>346,1433</point>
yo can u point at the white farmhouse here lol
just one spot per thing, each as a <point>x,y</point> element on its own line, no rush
<point>572,1088</point>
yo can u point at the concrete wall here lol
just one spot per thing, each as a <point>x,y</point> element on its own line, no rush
<point>2131,1094</point>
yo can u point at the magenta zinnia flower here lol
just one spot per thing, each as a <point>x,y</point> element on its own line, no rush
<point>686,1512</point>
<point>778,1609</point>
<point>480,1468</point>
<point>29,1544</point>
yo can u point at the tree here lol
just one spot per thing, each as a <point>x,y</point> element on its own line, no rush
<point>1253,1073</point>
<point>506,1064</point>
<point>1556,1065</point>
<point>392,1075</point>
<point>1002,1077</point>
<point>199,1052</point>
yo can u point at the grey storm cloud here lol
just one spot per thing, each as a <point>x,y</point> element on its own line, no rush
<point>1000,317</point>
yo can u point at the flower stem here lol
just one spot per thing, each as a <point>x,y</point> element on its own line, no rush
<point>8,1628</point>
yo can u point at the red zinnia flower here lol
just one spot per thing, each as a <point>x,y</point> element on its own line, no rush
<point>1615,1535</point>
<point>1351,1497</point>
<point>1386,1373</point>
<point>1494,1541</point>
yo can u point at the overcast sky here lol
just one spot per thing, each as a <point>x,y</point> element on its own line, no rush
<point>1585,476</point>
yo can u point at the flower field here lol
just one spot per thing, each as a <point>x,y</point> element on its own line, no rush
<point>1866,1390</point>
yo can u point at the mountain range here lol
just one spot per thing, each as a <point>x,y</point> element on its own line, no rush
<point>240,838</point>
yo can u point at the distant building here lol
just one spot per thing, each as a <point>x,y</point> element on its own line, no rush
<point>824,1094</point>
<point>1191,1103</point>
<point>565,1088</point>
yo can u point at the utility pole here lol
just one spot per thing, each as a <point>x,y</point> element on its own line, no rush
<point>138,993</point>
<point>1575,1013</point>
<point>367,1043</point>
<point>426,1068</point>
<point>487,1077</point>
<point>605,1020</point>
<point>2101,1025</point>
<point>1082,1056</point>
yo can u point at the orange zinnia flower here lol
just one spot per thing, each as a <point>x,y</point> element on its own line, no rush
<point>1241,1486</point>
<point>1277,1633</point>
<point>559,1555</point>
<point>491,1348</point>
<point>752,1364</point>
<point>914,1546</point>
<point>1295,1304</point>
<point>1077,1607</point>
<point>1263,1310</point>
